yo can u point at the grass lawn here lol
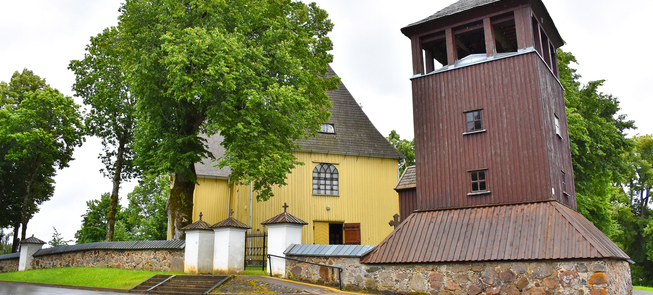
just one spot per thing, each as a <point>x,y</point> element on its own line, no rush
<point>83,276</point>
<point>255,271</point>
<point>643,288</point>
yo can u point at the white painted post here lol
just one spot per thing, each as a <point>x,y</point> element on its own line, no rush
<point>27,248</point>
<point>282,235</point>
<point>198,253</point>
<point>229,250</point>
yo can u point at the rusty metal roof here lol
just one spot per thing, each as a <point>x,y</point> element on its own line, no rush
<point>122,245</point>
<point>532,231</point>
<point>32,240</point>
<point>197,225</point>
<point>230,222</point>
<point>329,250</point>
<point>10,256</point>
<point>284,217</point>
<point>407,179</point>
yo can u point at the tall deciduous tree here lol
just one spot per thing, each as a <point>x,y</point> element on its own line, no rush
<point>42,132</point>
<point>146,218</point>
<point>99,80</point>
<point>598,142</point>
<point>12,93</point>
<point>404,146</point>
<point>251,70</point>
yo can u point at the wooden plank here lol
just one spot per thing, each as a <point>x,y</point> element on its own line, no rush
<point>490,46</point>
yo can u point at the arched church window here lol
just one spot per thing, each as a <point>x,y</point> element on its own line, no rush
<point>325,179</point>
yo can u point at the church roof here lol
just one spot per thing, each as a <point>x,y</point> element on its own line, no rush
<point>455,8</point>
<point>495,233</point>
<point>230,222</point>
<point>197,225</point>
<point>407,180</point>
<point>354,135</point>
<point>32,240</point>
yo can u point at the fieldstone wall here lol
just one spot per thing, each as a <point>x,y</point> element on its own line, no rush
<point>155,260</point>
<point>595,277</point>
<point>8,265</point>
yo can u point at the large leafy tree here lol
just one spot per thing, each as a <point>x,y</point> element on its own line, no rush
<point>404,146</point>
<point>38,132</point>
<point>43,131</point>
<point>99,80</point>
<point>94,222</point>
<point>251,70</point>
<point>146,218</point>
<point>598,142</point>
<point>14,92</point>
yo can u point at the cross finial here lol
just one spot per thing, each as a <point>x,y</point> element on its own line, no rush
<point>201,216</point>
<point>231,212</point>
<point>285,206</point>
<point>395,221</point>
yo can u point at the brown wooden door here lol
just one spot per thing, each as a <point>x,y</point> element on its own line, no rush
<point>352,233</point>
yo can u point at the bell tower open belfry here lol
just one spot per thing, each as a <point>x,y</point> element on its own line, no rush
<point>493,178</point>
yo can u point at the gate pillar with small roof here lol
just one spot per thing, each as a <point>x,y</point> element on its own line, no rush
<point>198,255</point>
<point>229,246</point>
<point>27,248</point>
<point>283,231</point>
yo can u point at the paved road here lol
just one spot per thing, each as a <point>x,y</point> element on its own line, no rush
<point>640,292</point>
<point>10,288</point>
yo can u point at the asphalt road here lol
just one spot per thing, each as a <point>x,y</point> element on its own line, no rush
<point>9,288</point>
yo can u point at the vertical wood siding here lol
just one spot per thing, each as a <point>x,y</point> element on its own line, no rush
<point>514,149</point>
<point>210,198</point>
<point>407,202</point>
<point>366,196</point>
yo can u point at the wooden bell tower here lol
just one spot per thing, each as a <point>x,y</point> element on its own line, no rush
<point>488,108</point>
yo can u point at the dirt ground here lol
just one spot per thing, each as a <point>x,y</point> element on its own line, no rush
<point>240,285</point>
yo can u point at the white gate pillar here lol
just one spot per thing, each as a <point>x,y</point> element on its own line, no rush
<point>28,247</point>
<point>283,231</point>
<point>229,246</point>
<point>198,254</point>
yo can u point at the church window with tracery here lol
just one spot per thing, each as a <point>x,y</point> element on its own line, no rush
<point>325,179</point>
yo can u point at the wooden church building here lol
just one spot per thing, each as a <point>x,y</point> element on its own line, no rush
<point>344,190</point>
<point>492,195</point>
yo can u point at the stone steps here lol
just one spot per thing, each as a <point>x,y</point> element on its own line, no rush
<point>179,284</point>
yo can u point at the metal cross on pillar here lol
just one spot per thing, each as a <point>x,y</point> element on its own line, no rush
<point>395,222</point>
<point>231,212</point>
<point>285,206</point>
<point>200,215</point>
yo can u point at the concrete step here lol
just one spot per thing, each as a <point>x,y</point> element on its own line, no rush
<point>179,284</point>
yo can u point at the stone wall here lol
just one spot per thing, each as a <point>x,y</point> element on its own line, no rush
<point>8,265</point>
<point>595,277</point>
<point>154,260</point>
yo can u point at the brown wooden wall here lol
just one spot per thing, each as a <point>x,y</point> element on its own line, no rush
<point>517,95</point>
<point>407,202</point>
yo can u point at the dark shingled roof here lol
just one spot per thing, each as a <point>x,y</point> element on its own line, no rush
<point>455,8</point>
<point>230,222</point>
<point>284,217</point>
<point>32,240</point>
<point>532,231</point>
<point>122,245</point>
<point>463,6</point>
<point>10,256</point>
<point>354,132</point>
<point>197,225</point>
<point>354,135</point>
<point>407,179</point>
<point>207,167</point>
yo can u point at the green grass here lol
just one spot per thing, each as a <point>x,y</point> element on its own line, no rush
<point>643,288</point>
<point>255,271</point>
<point>83,276</point>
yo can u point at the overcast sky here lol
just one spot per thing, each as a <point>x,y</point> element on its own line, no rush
<point>371,56</point>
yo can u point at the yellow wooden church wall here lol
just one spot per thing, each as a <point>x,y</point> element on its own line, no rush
<point>366,196</point>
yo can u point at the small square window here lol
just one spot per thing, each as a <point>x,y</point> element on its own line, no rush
<point>479,181</point>
<point>473,120</point>
<point>327,128</point>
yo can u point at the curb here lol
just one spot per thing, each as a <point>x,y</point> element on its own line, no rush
<point>68,287</point>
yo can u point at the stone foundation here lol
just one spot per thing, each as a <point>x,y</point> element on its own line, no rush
<point>154,260</point>
<point>8,265</point>
<point>598,277</point>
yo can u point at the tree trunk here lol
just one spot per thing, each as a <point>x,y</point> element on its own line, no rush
<point>14,246</point>
<point>180,203</point>
<point>113,208</point>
